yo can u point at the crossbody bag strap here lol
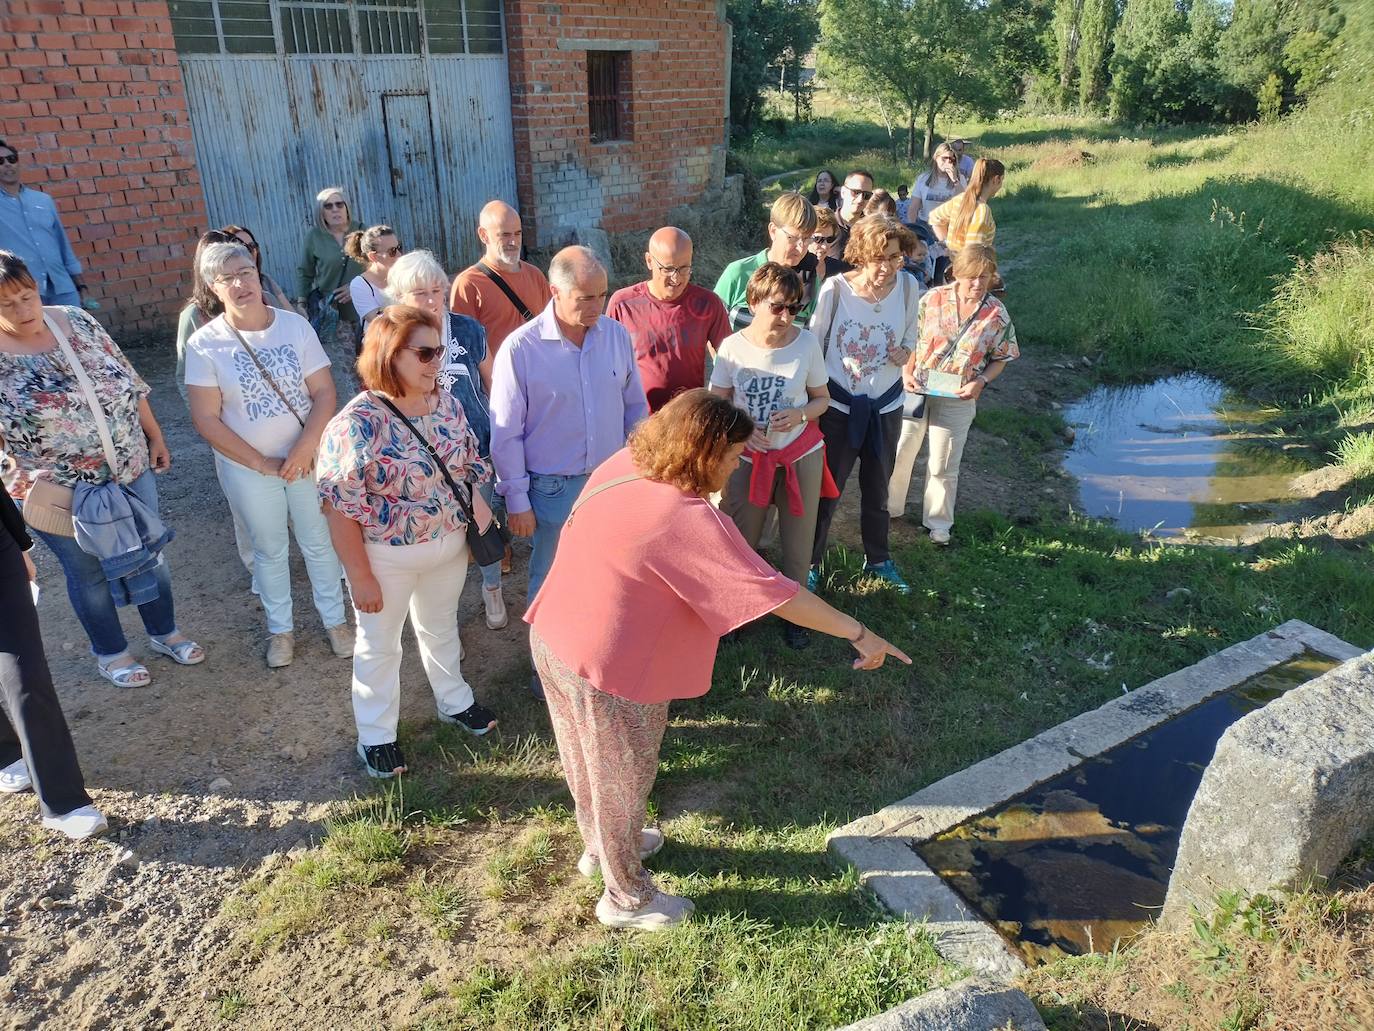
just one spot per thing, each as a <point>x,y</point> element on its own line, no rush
<point>463,502</point>
<point>266,376</point>
<point>511,295</point>
<point>88,391</point>
<point>587,495</point>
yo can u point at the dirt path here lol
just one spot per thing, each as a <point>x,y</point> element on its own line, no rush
<point>215,773</point>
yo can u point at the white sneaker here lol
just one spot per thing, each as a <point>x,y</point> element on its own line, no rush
<point>650,841</point>
<point>85,822</point>
<point>281,650</point>
<point>340,640</point>
<point>939,537</point>
<point>15,778</point>
<point>496,608</point>
<point>660,913</point>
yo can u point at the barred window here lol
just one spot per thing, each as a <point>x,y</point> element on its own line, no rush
<point>608,95</point>
<point>364,27</point>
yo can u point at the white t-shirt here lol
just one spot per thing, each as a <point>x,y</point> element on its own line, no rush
<point>366,298</point>
<point>288,349</point>
<point>768,379</point>
<point>865,343</point>
<point>933,190</point>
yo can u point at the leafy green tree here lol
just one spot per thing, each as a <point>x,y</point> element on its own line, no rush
<point>1068,37</point>
<point>765,34</point>
<point>1095,35</point>
<point>1287,41</point>
<point>920,57</point>
<point>1163,62</point>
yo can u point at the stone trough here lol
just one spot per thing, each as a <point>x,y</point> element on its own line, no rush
<point>1322,770</point>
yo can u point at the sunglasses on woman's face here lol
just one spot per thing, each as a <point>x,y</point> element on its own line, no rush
<point>9,159</point>
<point>777,308</point>
<point>426,354</point>
<point>390,252</point>
<point>822,241</point>
<point>331,205</point>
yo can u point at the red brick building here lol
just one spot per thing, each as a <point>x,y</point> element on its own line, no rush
<point>150,120</point>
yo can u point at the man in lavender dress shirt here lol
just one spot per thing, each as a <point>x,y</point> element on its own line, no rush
<point>565,393</point>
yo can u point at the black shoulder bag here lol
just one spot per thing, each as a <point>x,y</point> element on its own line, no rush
<point>487,546</point>
<point>511,295</point>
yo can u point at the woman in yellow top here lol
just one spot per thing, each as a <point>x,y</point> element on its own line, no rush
<point>967,219</point>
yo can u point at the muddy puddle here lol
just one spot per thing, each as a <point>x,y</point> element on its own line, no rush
<point>1179,457</point>
<point>1083,860</point>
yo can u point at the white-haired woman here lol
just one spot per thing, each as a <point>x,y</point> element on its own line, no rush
<point>377,248</point>
<point>260,392</point>
<point>418,280</point>
<point>325,270</point>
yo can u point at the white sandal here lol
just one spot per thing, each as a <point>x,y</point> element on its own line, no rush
<point>186,651</point>
<point>135,674</point>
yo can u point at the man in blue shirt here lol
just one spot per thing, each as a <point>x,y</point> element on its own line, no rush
<point>30,228</point>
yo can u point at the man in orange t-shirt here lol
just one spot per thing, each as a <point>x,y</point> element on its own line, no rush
<point>476,294</point>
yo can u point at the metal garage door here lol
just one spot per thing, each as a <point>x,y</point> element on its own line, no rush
<point>404,103</point>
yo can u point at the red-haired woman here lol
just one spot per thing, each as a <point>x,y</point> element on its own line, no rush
<point>648,577</point>
<point>399,529</point>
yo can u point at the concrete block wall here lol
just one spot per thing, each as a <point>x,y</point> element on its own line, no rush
<point>91,94</point>
<point>677,58</point>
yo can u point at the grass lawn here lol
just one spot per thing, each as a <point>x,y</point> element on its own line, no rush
<point>1154,254</point>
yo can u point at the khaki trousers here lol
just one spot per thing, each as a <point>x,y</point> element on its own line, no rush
<point>796,533</point>
<point>945,425</point>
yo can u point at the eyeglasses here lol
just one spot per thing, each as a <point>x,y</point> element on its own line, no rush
<point>672,271</point>
<point>777,308</point>
<point>426,354</point>
<point>330,205</point>
<point>822,241</point>
<point>247,275</point>
<point>10,159</point>
<point>390,252</point>
<point>861,194</point>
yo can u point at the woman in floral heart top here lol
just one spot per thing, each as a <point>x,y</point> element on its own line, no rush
<point>866,322</point>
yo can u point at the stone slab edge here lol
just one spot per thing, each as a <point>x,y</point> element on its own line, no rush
<point>968,1005</point>
<point>879,846</point>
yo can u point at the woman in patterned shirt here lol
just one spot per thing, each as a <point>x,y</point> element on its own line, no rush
<point>966,341</point>
<point>47,429</point>
<point>260,393</point>
<point>399,528</point>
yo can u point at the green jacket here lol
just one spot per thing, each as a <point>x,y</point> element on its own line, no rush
<point>323,268</point>
<point>733,284</point>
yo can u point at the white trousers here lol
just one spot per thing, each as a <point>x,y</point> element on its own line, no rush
<point>425,581</point>
<point>945,424</point>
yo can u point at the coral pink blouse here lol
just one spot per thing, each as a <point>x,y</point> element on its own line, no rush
<point>645,582</point>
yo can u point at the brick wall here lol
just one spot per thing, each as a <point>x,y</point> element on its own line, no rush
<point>677,60</point>
<point>91,94</point>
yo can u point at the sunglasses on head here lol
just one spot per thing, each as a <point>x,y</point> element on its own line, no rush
<point>330,205</point>
<point>777,308</point>
<point>10,159</point>
<point>426,354</point>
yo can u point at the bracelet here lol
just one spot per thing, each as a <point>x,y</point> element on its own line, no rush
<point>803,411</point>
<point>863,631</point>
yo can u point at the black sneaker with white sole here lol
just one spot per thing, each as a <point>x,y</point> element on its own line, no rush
<point>383,761</point>
<point>475,719</point>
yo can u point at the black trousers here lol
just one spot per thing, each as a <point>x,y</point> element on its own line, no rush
<point>873,478</point>
<point>31,720</point>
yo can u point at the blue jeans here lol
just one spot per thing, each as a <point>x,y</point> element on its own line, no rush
<point>90,591</point>
<point>551,498</point>
<point>67,297</point>
<point>491,574</point>
<point>264,502</point>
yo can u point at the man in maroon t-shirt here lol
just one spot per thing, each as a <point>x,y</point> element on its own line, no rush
<point>671,320</point>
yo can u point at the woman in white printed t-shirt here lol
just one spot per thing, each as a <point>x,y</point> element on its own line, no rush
<point>261,394</point>
<point>774,370</point>
<point>866,321</point>
<point>376,249</point>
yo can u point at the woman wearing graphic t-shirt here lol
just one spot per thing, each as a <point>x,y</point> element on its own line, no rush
<point>260,392</point>
<point>866,322</point>
<point>775,371</point>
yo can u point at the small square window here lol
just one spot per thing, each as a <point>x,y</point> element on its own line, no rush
<point>608,95</point>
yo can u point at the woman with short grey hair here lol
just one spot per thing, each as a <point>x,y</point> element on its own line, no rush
<point>325,270</point>
<point>418,280</point>
<point>260,393</point>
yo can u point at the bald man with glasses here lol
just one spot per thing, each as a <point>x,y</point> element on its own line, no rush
<point>673,323</point>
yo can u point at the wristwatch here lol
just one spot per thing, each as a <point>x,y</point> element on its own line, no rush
<point>803,411</point>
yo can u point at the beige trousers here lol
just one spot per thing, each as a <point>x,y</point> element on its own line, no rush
<point>945,424</point>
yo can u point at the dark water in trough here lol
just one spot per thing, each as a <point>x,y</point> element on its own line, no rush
<point>1082,860</point>
<point>1176,457</point>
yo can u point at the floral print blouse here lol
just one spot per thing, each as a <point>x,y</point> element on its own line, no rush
<point>989,337</point>
<point>371,468</point>
<point>46,424</point>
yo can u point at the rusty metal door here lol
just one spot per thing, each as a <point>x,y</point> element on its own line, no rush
<point>411,162</point>
<point>404,104</point>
